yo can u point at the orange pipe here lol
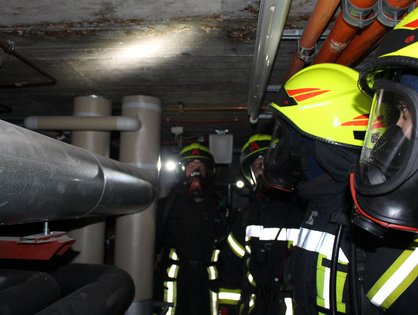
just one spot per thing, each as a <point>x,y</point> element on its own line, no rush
<point>319,19</point>
<point>340,36</point>
<point>365,40</point>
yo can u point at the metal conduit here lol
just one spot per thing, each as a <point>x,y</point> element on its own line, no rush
<point>271,21</point>
<point>100,123</point>
<point>45,179</point>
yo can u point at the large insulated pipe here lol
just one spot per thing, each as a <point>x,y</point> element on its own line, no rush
<point>90,237</point>
<point>24,292</point>
<point>135,234</point>
<point>344,28</point>
<point>45,179</point>
<point>321,15</point>
<point>366,39</point>
<point>91,289</point>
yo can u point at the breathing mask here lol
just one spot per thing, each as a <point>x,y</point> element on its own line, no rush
<point>384,185</point>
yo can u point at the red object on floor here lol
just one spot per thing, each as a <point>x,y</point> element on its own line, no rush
<point>35,247</point>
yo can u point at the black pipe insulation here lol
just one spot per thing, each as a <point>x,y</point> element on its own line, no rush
<point>91,290</point>
<point>26,292</point>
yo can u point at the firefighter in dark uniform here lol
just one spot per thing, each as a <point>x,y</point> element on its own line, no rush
<point>190,227</point>
<point>251,266</point>
<point>321,117</point>
<point>384,184</point>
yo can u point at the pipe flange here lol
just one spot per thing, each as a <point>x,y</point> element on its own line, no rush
<point>358,17</point>
<point>389,15</point>
<point>307,54</point>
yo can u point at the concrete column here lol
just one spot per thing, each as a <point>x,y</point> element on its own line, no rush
<point>90,239</point>
<point>135,234</point>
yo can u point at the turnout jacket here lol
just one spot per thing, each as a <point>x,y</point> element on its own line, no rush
<point>390,272</point>
<point>311,267</point>
<point>252,262</point>
<point>188,237</point>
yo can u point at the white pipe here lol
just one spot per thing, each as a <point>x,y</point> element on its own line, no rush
<point>271,21</point>
<point>135,234</point>
<point>97,123</point>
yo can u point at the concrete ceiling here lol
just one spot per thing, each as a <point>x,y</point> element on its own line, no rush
<point>195,55</point>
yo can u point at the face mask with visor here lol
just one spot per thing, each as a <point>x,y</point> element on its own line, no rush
<point>384,184</point>
<point>282,164</point>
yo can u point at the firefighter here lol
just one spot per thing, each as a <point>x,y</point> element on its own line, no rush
<point>252,265</point>
<point>321,118</point>
<point>190,227</point>
<point>384,183</point>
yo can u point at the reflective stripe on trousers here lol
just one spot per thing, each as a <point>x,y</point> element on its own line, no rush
<point>396,279</point>
<point>235,246</point>
<point>170,286</point>
<point>229,296</point>
<point>322,243</point>
<point>287,300</point>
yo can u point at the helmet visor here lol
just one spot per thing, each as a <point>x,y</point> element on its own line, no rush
<point>282,162</point>
<point>388,144</point>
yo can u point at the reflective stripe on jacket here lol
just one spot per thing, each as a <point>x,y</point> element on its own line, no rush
<point>322,244</point>
<point>398,277</point>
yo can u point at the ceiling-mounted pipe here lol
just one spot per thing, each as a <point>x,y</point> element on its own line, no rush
<point>44,179</point>
<point>389,14</point>
<point>344,29</point>
<point>271,21</point>
<point>90,123</point>
<point>211,108</point>
<point>321,15</point>
<point>9,48</point>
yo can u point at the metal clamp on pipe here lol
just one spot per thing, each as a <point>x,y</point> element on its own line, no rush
<point>389,15</point>
<point>358,17</point>
<point>307,54</point>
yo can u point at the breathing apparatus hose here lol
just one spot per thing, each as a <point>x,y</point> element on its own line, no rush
<point>334,269</point>
<point>354,287</point>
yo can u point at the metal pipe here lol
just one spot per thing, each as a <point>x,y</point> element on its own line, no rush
<point>45,179</point>
<point>9,48</point>
<point>271,21</point>
<point>321,15</point>
<point>100,123</point>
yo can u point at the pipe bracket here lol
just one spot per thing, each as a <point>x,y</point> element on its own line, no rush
<point>307,54</point>
<point>358,17</point>
<point>389,15</point>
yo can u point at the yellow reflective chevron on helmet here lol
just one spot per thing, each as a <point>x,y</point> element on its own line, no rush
<point>323,102</point>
